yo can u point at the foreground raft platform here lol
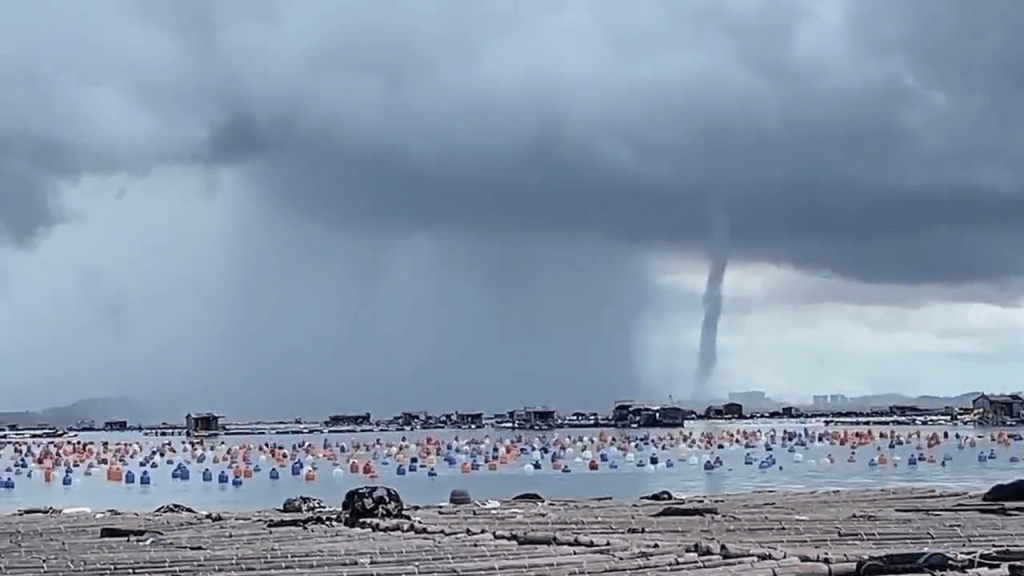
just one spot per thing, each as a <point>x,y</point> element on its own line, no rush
<point>758,534</point>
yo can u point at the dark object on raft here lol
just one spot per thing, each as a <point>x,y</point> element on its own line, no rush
<point>304,522</point>
<point>1009,492</point>
<point>685,511</point>
<point>174,509</point>
<point>371,502</point>
<point>302,505</point>
<point>113,532</point>
<point>661,496</point>
<point>459,497</point>
<point>910,563</point>
<point>31,511</point>
<point>528,497</point>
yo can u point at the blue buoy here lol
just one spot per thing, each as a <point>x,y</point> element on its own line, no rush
<point>144,479</point>
<point>604,456</point>
<point>257,468</point>
<point>709,465</point>
<point>297,468</point>
<point>669,463</point>
<point>67,480</point>
<point>614,465</point>
<point>237,481</point>
<point>207,475</point>
<point>129,477</point>
<point>184,474</point>
<point>565,470</point>
<point>223,477</point>
<point>912,461</point>
<point>274,474</point>
<point>8,484</point>
<point>176,473</point>
<point>432,473</point>
<point>400,471</point>
<point>413,467</point>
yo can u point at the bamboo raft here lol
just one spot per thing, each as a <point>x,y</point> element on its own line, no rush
<point>759,534</point>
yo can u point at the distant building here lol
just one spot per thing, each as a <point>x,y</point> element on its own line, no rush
<point>820,402</point>
<point>996,409</point>
<point>755,400</point>
<point>542,417</point>
<point>791,411</point>
<point>413,418</point>
<point>115,426</point>
<point>203,424</point>
<point>714,412</point>
<point>671,416</point>
<point>469,419</point>
<point>838,399</point>
<point>620,414</point>
<point>336,420</point>
<point>732,410</point>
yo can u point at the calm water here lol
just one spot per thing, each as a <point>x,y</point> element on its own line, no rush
<point>964,472</point>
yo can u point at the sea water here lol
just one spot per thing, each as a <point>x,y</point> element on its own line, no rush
<point>963,472</point>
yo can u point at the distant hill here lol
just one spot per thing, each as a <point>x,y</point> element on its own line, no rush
<point>98,409</point>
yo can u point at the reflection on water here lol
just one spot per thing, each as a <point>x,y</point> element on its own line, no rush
<point>962,472</point>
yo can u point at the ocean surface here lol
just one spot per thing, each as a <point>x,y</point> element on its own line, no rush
<point>962,472</point>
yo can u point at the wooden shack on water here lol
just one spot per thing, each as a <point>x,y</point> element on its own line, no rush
<point>202,424</point>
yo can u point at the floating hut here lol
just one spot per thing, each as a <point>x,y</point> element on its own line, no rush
<point>203,424</point>
<point>115,426</point>
<point>998,409</point>
<point>469,419</point>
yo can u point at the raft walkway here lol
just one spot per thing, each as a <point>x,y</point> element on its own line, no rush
<point>759,534</point>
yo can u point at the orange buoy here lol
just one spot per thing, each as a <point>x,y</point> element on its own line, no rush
<point>368,468</point>
<point>310,474</point>
<point>556,465</point>
<point>594,465</point>
<point>353,467</point>
<point>247,472</point>
<point>48,475</point>
<point>492,465</point>
<point>466,468</point>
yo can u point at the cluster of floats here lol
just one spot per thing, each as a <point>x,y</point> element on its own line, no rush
<point>65,459</point>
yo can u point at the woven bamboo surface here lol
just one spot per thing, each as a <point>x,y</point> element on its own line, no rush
<point>760,534</point>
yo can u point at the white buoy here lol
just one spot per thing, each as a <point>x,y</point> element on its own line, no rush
<point>528,469</point>
<point>630,457</point>
<point>693,461</point>
<point>798,457</point>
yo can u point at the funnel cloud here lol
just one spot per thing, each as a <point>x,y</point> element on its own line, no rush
<point>718,254</point>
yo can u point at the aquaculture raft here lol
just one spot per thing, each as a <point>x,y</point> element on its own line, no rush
<point>760,534</point>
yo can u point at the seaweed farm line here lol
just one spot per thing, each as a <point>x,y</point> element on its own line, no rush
<point>761,534</point>
<point>239,474</point>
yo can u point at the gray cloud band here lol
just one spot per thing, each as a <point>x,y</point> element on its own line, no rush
<point>848,146</point>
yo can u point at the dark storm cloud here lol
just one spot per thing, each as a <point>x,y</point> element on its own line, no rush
<point>481,183</point>
<point>865,154</point>
<point>833,125</point>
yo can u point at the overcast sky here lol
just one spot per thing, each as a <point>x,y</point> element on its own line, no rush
<point>271,208</point>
